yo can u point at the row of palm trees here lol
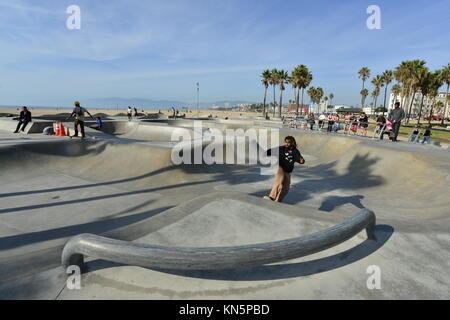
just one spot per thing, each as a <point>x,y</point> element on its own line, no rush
<point>300,78</point>
<point>412,76</point>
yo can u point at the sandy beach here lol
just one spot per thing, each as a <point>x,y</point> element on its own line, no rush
<point>37,112</point>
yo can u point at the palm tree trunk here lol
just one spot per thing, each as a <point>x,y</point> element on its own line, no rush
<point>281,103</point>
<point>385,94</point>
<point>274,101</point>
<point>362,97</point>
<point>410,106</point>
<point>431,111</point>
<point>445,104</point>
<point>264,107</point>
<point>296,100</point>
<point>420,110</point>
<point>303,91</point>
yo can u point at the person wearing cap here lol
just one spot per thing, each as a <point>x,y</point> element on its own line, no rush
<point>78,113</point>
<point>24,119</point>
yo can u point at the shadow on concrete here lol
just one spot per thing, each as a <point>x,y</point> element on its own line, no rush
<point>330,203</point>
<point>278,271</point>
<point>96,227</point>
<point>90,185</point>
<point>324,178</point>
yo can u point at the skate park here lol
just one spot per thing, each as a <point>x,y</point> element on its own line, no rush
<point>121,184</point>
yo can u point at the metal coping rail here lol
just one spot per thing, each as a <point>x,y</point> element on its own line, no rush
<point>213,258</point>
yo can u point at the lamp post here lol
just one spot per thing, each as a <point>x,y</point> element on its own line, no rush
<point>198,97</point>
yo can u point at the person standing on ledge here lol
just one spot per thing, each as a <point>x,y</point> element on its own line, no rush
<point>24,119</point>
<point>396,116</point>
<point>129,113</point>
<point>78,112</point>
<point>288,155</point>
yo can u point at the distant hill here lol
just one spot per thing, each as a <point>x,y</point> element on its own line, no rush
<point>135,102</point>
<point>229,103</point>
<point>142,103</point>
<point>155,104</point>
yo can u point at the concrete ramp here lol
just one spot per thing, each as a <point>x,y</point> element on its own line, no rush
<point>123,185</point>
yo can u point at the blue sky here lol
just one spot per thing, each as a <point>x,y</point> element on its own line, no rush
<point>160,49</point>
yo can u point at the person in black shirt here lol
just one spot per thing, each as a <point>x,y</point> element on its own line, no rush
<point>427,135</point>
<point>396,116</point>
<point>288,155</point>
<point>24,119</point>
<point>363,124</point>
<point>415,134</point>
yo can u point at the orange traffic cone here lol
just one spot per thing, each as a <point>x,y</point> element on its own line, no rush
<point>57,128</point>
<point>62,131</point>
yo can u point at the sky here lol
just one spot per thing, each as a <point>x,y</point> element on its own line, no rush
<point>160,49</point>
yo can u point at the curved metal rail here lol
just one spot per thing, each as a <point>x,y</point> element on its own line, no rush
<point>214,258</point>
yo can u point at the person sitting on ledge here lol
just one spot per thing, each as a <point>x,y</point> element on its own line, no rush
<point>24,119</point>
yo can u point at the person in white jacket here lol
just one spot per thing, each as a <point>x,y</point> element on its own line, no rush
<point>321,121</point>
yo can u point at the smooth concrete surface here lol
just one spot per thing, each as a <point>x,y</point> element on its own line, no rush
<point>53,188</point>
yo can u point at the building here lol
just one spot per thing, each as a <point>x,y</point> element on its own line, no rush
<point>302,108</point>
<point>367,110</point>
<point>347,110</point>
<point>417,101</point>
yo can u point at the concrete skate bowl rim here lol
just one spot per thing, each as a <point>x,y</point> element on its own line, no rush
<point>214,258</point>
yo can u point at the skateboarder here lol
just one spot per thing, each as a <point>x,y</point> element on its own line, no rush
<point>129,113</point>
<point>78,112</point>
<point>287,156</point>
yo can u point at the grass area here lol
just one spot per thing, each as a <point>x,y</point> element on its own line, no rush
<point>405,132</point>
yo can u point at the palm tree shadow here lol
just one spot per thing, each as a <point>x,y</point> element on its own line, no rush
<point>278,271</point>
<point>323,178</point>
<point>330,203</point>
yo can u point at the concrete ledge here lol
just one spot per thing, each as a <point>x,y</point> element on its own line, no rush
<point>214,258</point>
<point>36,126</point>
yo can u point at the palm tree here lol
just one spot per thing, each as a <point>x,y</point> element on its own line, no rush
<point>401,74</point>
<point>439,106</point>
<point>396,90</point>
<point>283,78</point>
<point>274,82</point>
<point>414,70</point>
<point>424,79</point>
<point>364,93</point>
<point>446,80</point>
<point>436,81</point>
<point>378,84</point>
<point>331,96</point>
<point>319,95</point>
<point>364,74</point>
<point>312,94</point>
<point>302,78</point>
<point>265,80</point>
<point>375,94</point>
<point>388,76</point>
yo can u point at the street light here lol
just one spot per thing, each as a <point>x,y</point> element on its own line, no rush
<point>198,97</point>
